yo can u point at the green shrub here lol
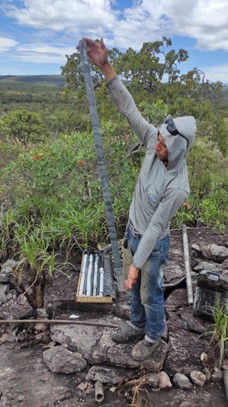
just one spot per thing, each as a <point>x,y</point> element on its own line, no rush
<point>208,200</point>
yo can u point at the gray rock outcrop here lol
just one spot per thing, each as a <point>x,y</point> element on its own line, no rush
<point>60,359</point>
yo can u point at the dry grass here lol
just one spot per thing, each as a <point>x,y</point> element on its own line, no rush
<point>135,390</point>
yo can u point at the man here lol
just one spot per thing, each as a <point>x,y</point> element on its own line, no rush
<point>160,190</point>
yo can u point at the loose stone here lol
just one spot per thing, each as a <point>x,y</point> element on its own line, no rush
<point>164,381</point>
<point>181,381</point>
<point>198,378</point>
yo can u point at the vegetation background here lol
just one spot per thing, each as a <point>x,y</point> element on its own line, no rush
<point>50,192</point>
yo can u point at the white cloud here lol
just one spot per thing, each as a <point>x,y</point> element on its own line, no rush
<point>35,52</point>
<point>71,15</point>
<point>45,49</point>
<point>42,53</point>
<point>6,44</point>
<point>42,58</point>
<point>204,20</point>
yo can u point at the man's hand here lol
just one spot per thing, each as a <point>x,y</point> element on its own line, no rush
<point>133,273</point>
<point>98,54</point>
<point>97,51</point>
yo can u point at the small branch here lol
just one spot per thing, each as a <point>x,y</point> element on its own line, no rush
<point>31,285</point>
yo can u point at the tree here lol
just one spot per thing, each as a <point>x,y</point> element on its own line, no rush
<point>145,69</point>
<point>22,127</point>
<point>149,67</point>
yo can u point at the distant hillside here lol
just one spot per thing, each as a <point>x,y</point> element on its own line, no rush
<point>31,81</point>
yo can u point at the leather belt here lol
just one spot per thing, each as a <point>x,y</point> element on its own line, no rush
<point>133,231</point>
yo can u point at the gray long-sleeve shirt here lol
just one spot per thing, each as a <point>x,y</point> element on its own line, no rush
<point>159,191</point>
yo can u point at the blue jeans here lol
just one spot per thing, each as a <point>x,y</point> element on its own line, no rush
<point>146,296</point>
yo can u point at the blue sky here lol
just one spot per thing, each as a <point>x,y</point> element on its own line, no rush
<point>35,36</point>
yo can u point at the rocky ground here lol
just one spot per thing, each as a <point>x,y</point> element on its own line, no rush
<point>47,365</point>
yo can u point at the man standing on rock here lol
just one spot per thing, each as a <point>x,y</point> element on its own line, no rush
<point>161,188</point>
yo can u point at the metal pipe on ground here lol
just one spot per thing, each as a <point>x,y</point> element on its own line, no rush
<point>99,391</point>
<point>95,275</point>
<point>101,285</point>
<point>187,265</point>
<point>89,276</point>
<point>83,275</point>
<point>56,321</point>
<point>225,378</point>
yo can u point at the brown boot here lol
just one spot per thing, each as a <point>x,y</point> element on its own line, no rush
<point>144,349</point>
<point>128,332</point>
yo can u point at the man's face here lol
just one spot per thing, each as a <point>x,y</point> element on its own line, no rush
<point>161,149</point>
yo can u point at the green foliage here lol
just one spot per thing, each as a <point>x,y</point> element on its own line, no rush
<point>53,168</point>
<point>154,112</point>
<point>213,209</point>
<point>22,127</point>
<point>57,187</point>
<point>148,67</point>
<point>186,216</point>
<point>202,163</point>
<point>8,152</point>
<point>208,201</point>
<point>33,247</point>
<point>219,332</point>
